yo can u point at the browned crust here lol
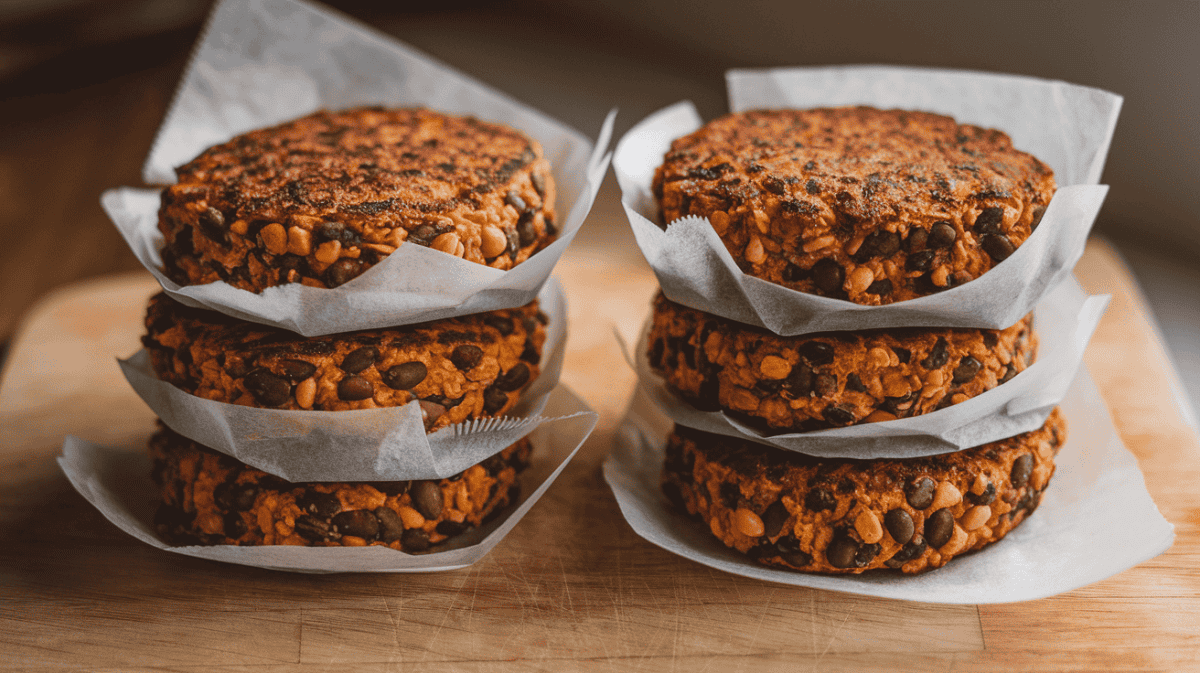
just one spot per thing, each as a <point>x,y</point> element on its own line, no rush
<point>209,498</point>
<point>830,379</point>
<point>320,199</point>
<point>873,206</point>
<point>843,516</point>
<point>473,366</point>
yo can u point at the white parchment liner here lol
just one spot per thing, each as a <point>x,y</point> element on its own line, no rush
<point>1067,126</point>
<point>261,62</point>
<point>1064,322</point>
<point>384,444</point>
<point>117,482</point>
<point>1096,519</point>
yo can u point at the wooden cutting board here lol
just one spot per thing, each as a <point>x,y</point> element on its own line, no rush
<point>572,588</point>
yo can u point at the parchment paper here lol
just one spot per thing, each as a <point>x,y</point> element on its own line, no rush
<point>385,444</point>
<point>1064,322</point>
<point>1067,126</point>
<point>117,482</point>
<point>1096,519</point>
<point>261,62</point>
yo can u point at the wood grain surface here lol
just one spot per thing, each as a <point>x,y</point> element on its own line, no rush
<point>572,588</point>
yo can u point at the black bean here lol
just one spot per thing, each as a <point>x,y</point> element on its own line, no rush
<point>451,528</point>
<point>919,261</point>
<point>526,229</point>
<point>315,530</point>
<point>551,230</point>
<point>414,539</point>
<point>919,493</point>
<point>269,390</point>
<point>390,525</point>
<point>877,244</point>
<point>942,235</point>
<point>235,497</point>
<point>423,235</point>
<point>405,376</point>
<point>531,354</point>
<point>908,552</point>
<point>494,400</point>
<point>391,487</point>
<point>1038,212</point>
<point>466,357</point>
<point>502,324</point>
<point>794,274</point>
<point>343,271</point>
<point>799,381</point>
<point>997,246</point>
<point>866,554</point>
<point>774,518</point>
<point>819,499</point>
<point>321,505</point>
<point>297,370</point>
<point>839,414</point>
<point>329,231</point>
<point>899,525</point>
<point>212,224</point>
<point>828,275</point>
<point>988,222</point>
<point>787,544</point>
<point>881,287</point>
<point>967,369</point>
<point>513,198</point>
<point>939,527</point>
<point>939,355</point>
<point>514,378</point>
<point>539,183</point>
<point>1021,469</point>
<point>235,525</point>
<point>359,359</point>
<point>854,383</point>
<point>842,551</point>
<point>514,242</point>
<point>353,388</point>
<point>817,353</point>
<point>798,559</point>
<point>431,412</point>
<point>825,384</point>
<point>357,522</point>
<point>916,241</point>
<point>902,354</point>
<point>427,498</point>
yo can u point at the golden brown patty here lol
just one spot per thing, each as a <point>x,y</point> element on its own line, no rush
<point>830,379</point>
<point>847,516</point>
<point>320,199</point>
<point>459,368</point>
<point>210,498</point>
<point>874,206</point>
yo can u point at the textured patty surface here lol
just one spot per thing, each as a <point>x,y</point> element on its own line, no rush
<point>830,379</point>
<point>209,498</point>
<point>459,368</point>
<point>845,516</point>
<point>320,199</point>
<point>873,206</point>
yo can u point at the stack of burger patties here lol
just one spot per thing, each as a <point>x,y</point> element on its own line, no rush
<point>319,201</point>
<point>873,207</point>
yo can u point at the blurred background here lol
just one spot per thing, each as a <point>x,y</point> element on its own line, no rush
<point>85,83</point>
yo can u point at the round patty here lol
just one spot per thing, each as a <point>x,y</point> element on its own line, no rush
<point>209,498</point>
<point>459,368</point>
<point>848,516</point>
<point>830,379</point>
<point>873,206</point>
<point>321,199</point>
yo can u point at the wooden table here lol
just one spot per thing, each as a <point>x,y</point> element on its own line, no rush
<point>572,588</point>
